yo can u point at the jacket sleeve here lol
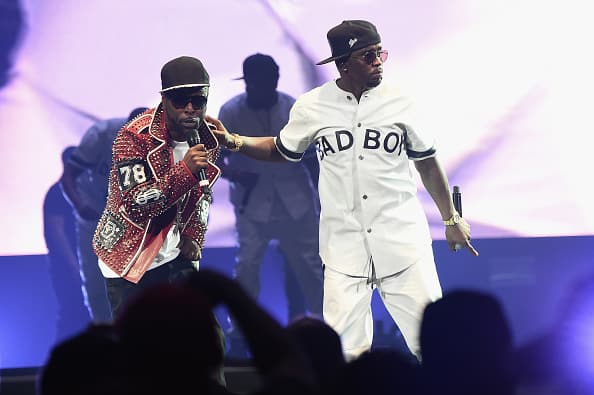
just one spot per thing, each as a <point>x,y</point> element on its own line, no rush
<point>195,229</point>
<point>143,193</point>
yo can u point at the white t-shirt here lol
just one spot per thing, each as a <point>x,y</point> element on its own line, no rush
<point>367,190</point>
<point>169,250</point>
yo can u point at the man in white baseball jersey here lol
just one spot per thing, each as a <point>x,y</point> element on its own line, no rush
<point>373,231</point>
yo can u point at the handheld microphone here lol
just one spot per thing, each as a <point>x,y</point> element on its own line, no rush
<point>457,200</point>
<point>193,138</point>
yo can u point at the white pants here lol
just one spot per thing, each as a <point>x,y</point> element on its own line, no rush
<point>347,304</point>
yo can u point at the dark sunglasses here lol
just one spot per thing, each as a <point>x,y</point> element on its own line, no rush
<point>370,56</point>
<point>181,101</point>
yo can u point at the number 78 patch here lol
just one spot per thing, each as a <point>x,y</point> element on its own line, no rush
<point>132,173</point>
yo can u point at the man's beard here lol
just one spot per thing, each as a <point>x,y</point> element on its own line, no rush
<point>374,83</point>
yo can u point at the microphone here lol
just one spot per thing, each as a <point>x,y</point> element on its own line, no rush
<point>457,200</point>
<point>193,138</point>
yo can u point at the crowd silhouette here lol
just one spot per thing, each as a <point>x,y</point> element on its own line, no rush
<point>167,341</point>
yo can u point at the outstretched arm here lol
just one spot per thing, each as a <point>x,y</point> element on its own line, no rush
<point>274,352</point>
<point>261,148</point>
<point>436,182</point>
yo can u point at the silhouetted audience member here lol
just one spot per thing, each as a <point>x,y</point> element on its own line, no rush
<point>60,240</point>
<point>379,372</point>
<point>562,360</point>
<point>173,340</point>
<point>166,341</point>
<point>321,344</point>
<point>283,368</point>
<point>466,346</point>
<point>90,363</point>
<point>174,344</point>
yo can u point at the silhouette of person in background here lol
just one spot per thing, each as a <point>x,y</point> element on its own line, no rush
<point>466,344</point>
<point>84,183</point>
<point>271,201</point>
<point>321,345</point>
<point>282,366</point>
<point>166,341</point>
<point>173,339</point>
<point>92,362</point>
<point>60,238</point>
<point>379,372</point>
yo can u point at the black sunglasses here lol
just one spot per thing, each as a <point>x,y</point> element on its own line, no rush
<point>181,101</point>
<point>370,56</point>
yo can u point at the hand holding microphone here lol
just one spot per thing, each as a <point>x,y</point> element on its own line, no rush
<point>193,139</point>
<point>196,159</point>
<point>459,224</point>
<point>199,158</point>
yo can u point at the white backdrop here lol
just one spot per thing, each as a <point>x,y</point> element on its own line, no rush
<point>507,86</point>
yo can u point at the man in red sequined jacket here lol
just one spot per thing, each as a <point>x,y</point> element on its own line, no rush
<point>153,226</point>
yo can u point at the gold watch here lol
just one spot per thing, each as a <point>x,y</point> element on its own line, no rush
<point>453,220</point>
<point>237,142</point>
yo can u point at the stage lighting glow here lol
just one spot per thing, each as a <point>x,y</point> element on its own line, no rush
<point>506,93</point>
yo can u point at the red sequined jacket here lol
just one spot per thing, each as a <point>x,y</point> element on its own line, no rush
<point>146,191</point>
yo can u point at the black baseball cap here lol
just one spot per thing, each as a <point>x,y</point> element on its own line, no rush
<point>259,67</point>
<point>184,72</point>
<point>350,36</point>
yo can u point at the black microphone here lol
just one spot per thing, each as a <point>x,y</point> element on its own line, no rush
<point>457,199</point>
<point>193,138</point>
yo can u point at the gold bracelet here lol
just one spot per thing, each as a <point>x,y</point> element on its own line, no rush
<point>237,142</point>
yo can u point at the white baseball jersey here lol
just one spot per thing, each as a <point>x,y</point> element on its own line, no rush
<point>367,190</point>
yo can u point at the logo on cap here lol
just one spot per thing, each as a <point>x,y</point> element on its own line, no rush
<point>350,36</point>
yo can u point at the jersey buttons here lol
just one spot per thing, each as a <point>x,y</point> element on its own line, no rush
<point>360,157</point>
<point>364,197</point>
